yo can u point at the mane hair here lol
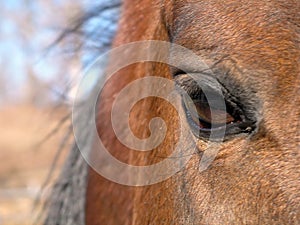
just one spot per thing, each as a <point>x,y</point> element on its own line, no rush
<point>66,202</point>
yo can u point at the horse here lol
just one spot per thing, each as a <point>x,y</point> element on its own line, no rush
<point>252,53</point>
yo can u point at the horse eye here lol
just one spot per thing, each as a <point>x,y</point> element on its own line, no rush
<point>211,110</point>
<point>205,116</point>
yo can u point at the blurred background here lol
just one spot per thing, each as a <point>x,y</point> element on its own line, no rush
<point>42,51</point>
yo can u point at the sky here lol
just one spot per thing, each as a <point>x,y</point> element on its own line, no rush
<point>10,52</point>
<point>17,49</point>
<point>27,29</point>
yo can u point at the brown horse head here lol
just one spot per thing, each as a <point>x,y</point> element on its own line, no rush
<point>253,51</point>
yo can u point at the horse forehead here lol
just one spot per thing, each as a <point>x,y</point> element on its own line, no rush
<point>261,33</point>
<point>264,11</point>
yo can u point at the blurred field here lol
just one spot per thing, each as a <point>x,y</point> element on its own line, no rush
<point>24,160</point>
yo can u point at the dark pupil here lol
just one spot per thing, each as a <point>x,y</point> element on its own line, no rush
<point>205,115</point>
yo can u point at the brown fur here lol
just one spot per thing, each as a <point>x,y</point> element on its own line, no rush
<point>254,179</point>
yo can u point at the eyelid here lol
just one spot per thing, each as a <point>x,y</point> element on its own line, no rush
<point>210,86</point>
<point>205,79</point>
